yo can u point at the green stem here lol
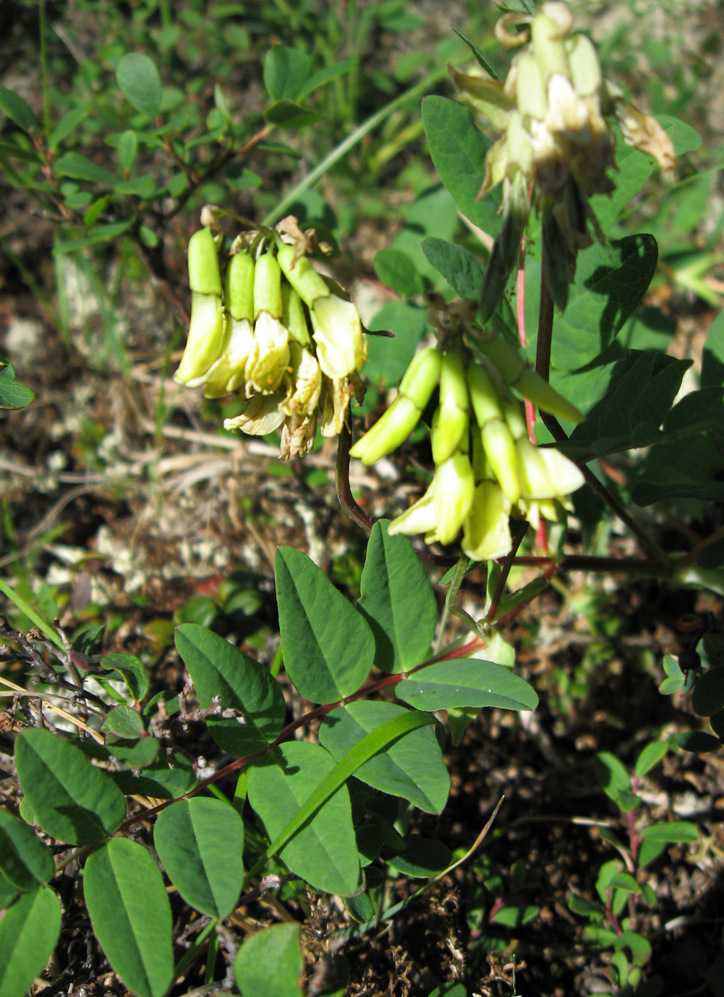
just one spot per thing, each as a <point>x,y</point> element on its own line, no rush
<point>44,72</point>
<point>504,572</point>
<point>348,143</point>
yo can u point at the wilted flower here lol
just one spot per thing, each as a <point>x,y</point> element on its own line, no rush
<point>554,110</point>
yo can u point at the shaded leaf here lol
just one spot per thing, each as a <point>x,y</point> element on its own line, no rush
<point>24,859</point>
<point>396,270</point>
<point>18,110</point>
<point>707,695</point>
<point>412,767</point>
<point>131,915</point>
<point>67,125</point>
<point>219,669</point>
<point>422,857</point>
<point>461,269</point>
<point>324,851</point>
<point>78,167</point>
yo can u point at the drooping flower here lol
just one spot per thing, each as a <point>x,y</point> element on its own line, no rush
<point>555,110</point>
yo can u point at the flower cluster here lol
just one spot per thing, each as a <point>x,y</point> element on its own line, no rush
<point>252,336</point>
<point>554,110</point>
<point>486,468</point>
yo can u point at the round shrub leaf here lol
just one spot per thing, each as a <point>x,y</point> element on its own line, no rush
<point>139,82</point>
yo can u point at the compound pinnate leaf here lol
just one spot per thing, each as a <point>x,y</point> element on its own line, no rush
<point>269,964</point>
<point>467,682</point>
<point>200,842</point>
<point>139,82</point>
<point>29,932</point>
<point>131,915</point>
<point>72,800</point>
<point>324,851</point>
<point>240,683</point>
<point>327,645</point>
<point>458,149</point>
<point>24,859</point>
<point>397,600</point>
<point>412,767</point>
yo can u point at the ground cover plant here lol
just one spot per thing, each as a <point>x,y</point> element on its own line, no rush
<point>434,704</point>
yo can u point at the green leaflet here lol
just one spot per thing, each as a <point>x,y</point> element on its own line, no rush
<point>200,842</point>
<point>466,682</point>
<point>29,932</point>
<point>131,915</point>
<point>327,645</point>
<point>73,801</point>
<point>412,767</point>
<point>323,851</point>
<point>240,683</point>
<point>24,859</point>
<point>397,600</point>
<point>269,963</point>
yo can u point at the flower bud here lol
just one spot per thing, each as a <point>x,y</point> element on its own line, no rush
<point>268,361</point>
<point>451,419</point>
<point>228,373</point>
<point>419,518</point>
<point>207,328</point>
<point>453,491</point>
